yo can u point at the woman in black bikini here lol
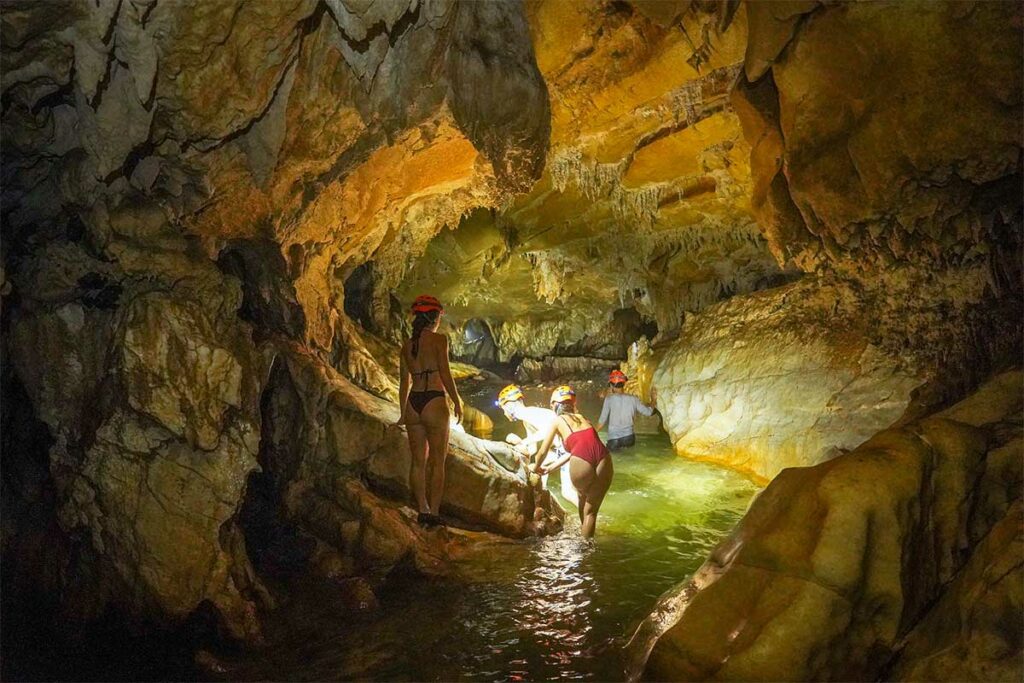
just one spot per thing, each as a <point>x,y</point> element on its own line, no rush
<point>425,378</point>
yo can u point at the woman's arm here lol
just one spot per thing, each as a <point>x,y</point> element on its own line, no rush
<point>446,378</point>
<point>556,464</point>
<point>403,386</point>
<point>542,452</point>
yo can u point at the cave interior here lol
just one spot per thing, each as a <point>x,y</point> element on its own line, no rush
<point>796,225</point>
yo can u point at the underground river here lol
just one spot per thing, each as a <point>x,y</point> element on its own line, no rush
<point>552,608</point>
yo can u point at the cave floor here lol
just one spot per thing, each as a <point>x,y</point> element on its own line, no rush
<point>551,608</point>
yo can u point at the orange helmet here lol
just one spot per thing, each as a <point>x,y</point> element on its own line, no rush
<point>425,303</point>
<point>617,377</point>
<point>563,394</point>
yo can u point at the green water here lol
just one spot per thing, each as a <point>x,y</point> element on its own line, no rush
<point>552,608</point>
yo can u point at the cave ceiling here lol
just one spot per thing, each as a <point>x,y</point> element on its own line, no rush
<point>644,200</point>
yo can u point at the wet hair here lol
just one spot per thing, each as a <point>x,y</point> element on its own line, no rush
<point>565,407</point>
<point>419,323</point>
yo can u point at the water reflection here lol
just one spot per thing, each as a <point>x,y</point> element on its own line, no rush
<point>553,608</point>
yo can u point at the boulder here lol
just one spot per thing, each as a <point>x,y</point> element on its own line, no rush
<point>974,631</point>
<point>834,564</point>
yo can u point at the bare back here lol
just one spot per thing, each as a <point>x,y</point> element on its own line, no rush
<point>567,423</point>
<point>425,367</point>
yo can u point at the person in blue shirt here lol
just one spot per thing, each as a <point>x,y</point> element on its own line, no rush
<point>619,411</point>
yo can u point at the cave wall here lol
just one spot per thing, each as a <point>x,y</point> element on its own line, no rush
<point>886,165</point>
<point>186,188</point>
<point>189,189</point>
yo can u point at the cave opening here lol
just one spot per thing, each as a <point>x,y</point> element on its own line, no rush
<point>359,288</point>
<point>478,346</point>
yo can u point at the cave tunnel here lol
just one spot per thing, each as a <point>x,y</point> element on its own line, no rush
<point>770,252</point>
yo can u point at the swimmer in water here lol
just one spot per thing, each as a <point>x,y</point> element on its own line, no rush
<point>590,462</point>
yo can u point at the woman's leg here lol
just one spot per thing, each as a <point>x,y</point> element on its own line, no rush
<point>418,476</point>
<point>435,416</point>
<point>595,495</point>
<point>582,475</point>
<point>592,483</point>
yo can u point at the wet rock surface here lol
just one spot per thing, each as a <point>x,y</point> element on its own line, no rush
<point>835,564</point>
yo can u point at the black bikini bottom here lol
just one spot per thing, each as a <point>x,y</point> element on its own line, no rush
<point>419,399</point>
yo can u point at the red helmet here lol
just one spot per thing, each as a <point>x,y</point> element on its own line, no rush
<point>425,303</point>
<point>617,377</point>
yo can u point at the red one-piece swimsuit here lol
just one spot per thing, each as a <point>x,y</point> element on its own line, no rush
<point>586,445</point>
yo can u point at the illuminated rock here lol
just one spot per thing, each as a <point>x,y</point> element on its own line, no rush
<point>643,208</point>
<point>834,564</point>
<point>832,182</point>
<point>152,399</point>
<point>914,241</point>
<point>790,376</point>
<point>336,432</point>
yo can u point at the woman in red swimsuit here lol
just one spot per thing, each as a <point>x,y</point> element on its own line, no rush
<point>590,463</point>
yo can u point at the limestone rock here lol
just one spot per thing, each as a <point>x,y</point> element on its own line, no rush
<point>341,433</point>
<point>791,376</point>
<point>151,396</point>
<point>974,633</point>
<point>553,367</point>
<point>832,564</point>
<point>836,177</point>
<point>642,208</point>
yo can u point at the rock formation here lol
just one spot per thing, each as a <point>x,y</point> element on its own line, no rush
<point>642,213</point>
<point>800,222</point>
<point>864,564</point>
<point>186,189</point>
<point>911,240</point>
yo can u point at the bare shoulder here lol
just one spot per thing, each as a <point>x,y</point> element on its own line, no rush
<point>437,341</point>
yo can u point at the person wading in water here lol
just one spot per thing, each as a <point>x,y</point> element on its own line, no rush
<point>425,377</point>
<point>619,411</point>
<point>590,463</point>
<point>537,422</point>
